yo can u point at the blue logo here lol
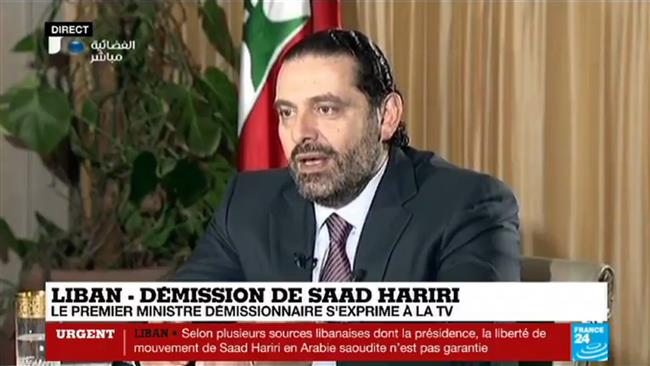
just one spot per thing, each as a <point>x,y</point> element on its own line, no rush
<point>589,342</point>
<point>76,47</point>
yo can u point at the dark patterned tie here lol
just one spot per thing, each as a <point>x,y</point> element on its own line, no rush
<point>337,266</point>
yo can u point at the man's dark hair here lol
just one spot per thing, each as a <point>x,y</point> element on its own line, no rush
<point>374,75</point>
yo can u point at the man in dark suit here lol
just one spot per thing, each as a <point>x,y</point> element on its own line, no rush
<point>340,126</point>
<point>356,203</point>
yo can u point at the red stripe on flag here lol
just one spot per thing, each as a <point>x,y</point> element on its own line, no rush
<point>325,14</point>
<point>259,144</point>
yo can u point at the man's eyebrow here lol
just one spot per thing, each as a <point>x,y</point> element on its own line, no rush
<point>283,103</point>
<point>329,97</point>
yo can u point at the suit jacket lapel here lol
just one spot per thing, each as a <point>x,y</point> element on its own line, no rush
<point>291,232</point>
<point>387,217</point>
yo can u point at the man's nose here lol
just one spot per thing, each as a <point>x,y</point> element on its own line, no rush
<point>305,128</point>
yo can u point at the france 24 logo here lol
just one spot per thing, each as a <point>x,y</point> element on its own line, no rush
<point>589,342</point>
<point>55,31</point>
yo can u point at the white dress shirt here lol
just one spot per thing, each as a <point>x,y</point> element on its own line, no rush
<point>355,214</point>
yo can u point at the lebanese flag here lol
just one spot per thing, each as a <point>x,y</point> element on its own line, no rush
<point>271,27</point>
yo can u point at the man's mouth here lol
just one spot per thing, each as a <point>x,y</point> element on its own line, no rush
<point>312,162</point>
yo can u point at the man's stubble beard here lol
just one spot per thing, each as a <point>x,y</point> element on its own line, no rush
<point>346,176</point>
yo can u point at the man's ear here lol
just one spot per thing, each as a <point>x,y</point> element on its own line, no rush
<point>391,115</point>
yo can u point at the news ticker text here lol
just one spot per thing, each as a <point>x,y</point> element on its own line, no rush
<point>87,342</point>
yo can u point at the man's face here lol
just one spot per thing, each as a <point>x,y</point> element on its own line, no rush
<point>330,136</point>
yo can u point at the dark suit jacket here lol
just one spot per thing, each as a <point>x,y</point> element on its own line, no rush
<point>429,221</point>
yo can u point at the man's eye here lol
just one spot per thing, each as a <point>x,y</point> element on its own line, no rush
<point>285,113</point>
<point>327,110</point>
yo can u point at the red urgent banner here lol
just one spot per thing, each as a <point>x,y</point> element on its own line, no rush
<point>87,342</point>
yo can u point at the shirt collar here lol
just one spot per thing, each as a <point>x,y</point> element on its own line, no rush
<point>356,211</point>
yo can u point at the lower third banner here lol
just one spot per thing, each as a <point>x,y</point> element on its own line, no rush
<point>88,342</point>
